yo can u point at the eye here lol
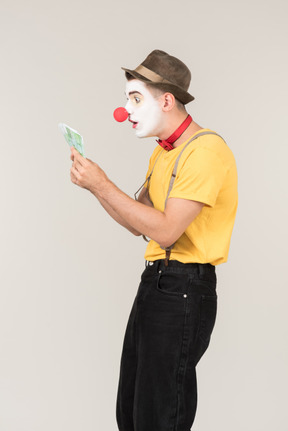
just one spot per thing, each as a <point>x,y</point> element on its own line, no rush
<point>137,99</point>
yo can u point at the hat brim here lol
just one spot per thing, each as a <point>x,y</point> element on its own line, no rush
<point>180,94</point>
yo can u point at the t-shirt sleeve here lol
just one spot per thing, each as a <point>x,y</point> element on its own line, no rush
<point>200,178</point>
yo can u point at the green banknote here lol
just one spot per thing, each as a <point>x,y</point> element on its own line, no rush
<point>73,138</point>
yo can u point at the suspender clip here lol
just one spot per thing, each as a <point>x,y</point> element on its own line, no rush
<point>168,254</point>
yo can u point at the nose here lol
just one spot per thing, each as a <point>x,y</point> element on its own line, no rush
<point>128,107</point>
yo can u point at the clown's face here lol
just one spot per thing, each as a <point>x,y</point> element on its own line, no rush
<point>144,109</point>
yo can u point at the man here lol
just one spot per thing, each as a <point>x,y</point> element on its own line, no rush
<point>187,208</point>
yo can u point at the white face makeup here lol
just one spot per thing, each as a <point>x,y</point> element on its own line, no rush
<point>143,109</point>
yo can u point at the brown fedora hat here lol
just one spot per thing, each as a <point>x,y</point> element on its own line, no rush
<point>163,71</point>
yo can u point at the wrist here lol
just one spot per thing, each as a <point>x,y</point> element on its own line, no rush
<point>101,188</point>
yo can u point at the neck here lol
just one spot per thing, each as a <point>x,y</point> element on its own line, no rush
<point>191,129</point>
<point>172,124</point>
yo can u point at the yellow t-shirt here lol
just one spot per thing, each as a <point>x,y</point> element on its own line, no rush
<point>206,173</point>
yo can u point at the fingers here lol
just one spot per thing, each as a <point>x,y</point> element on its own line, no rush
<point>83,171</point>
<point>77,173</point>
<point>78,164</point>
<point>76,169</point>
<point>73,177</point>
<point>76,155</point>
<point>74,172</point>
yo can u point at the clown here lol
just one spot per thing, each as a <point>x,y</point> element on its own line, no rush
<point>186,207</point>
<point>144,110</point>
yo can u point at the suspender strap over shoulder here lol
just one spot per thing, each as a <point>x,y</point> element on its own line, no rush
<point>173,176</point>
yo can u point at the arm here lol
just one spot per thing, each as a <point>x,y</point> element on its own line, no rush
<point>163,227</point>
<point>117,217</point>
<point>143,197</point>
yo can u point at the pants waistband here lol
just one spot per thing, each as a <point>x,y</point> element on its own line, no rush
<point>200,268</point>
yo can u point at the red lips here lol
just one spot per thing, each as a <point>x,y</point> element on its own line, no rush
<point>133,122</point>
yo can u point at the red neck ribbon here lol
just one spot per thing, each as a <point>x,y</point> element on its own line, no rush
<point>168,143</point>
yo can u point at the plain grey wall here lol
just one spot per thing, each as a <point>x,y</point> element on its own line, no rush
<point>69,274</point>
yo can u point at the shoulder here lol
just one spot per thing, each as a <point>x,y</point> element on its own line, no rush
<point>209,147</point>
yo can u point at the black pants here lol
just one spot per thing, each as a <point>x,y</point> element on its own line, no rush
<point>168,331</point>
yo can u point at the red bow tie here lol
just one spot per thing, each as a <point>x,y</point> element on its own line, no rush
<point>167,144</point>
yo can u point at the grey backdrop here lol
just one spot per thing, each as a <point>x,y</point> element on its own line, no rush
<point>69,274</point>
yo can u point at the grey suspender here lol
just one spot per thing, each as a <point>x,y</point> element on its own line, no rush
<point>177,161</point>
<point>168,249</point>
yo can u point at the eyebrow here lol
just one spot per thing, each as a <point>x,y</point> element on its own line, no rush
<point>134,92</point>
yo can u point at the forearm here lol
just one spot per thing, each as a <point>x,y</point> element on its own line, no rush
<point>138,216</point>
<point>89,175</point>
<point>117,217</point>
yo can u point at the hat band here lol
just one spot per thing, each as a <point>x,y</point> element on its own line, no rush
<point>152,76</point>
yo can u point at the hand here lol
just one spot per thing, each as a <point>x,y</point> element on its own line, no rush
<point>85,173</point>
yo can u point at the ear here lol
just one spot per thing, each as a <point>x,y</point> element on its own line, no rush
<point>168,102</point>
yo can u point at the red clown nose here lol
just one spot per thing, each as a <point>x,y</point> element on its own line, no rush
<point>120,114</point>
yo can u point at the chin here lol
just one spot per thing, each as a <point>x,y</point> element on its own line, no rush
<point>143,134</point>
